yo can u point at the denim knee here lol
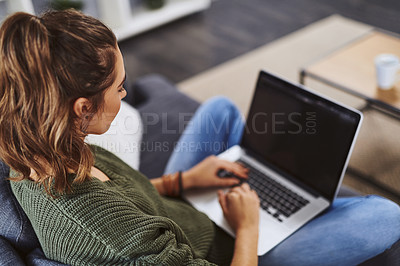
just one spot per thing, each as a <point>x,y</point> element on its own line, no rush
<point>221,108</point>
<point>222,116</point>
<point>217,104</point>
<point>385,231</point>
<point>387,208</point>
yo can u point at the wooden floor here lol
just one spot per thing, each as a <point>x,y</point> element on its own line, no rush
<point>230,28</point>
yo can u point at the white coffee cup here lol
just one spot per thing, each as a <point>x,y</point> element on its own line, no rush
<point>387,67</point>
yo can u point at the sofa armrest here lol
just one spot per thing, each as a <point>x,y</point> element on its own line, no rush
<point>9,256</point>
<point>37,258</point>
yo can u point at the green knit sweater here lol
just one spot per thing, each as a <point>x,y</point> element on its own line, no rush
<point>123,221</point>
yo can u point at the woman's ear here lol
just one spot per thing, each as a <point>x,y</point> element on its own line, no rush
<point>81,107</point>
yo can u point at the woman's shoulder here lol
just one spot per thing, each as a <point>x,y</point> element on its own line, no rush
<point>83,205</point>
<point>89,193</point>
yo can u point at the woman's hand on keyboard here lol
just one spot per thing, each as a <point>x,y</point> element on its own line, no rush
<point>205,174</point>
<point>241,207</point>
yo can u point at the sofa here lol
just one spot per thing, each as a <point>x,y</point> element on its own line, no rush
<point>151,94</point>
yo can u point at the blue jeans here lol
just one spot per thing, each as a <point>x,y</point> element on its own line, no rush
<point>351,231</point>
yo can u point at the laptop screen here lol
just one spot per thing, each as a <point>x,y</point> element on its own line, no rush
<point>299,133</point>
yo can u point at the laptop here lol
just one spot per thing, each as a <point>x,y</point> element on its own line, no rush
<point>297,144</point>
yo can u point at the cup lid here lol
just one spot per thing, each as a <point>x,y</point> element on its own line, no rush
<point>387,59</point>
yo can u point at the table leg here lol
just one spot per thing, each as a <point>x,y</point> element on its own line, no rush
<point>302,76</point>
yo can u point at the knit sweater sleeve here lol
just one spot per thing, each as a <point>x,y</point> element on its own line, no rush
<point>112,231</point>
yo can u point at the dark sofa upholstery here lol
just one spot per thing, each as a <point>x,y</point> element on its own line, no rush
<point>154,97</point>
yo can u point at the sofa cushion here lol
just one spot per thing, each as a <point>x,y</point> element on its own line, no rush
<point>14,224</point>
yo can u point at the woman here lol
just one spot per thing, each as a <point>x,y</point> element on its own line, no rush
<point>61,78</point>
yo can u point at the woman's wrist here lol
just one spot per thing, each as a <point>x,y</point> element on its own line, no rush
<point>170,184</point>
<point>246,245</point>
<point>187,180</point>
<point>248,230</point>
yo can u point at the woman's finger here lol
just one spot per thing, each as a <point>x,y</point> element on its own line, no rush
<point>226,182</point>
<point>238,189</point>
<point>240,170</point>
<point>246,187</point>
<point>222,200</point>
<point>237,169</point>
<point>242,166</point>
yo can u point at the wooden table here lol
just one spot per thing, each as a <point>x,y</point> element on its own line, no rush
<point>351,69</point>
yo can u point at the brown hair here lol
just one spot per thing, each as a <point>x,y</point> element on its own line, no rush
<point>46,63</point>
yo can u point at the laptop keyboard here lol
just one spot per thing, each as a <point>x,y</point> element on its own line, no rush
<point>275,199</point>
